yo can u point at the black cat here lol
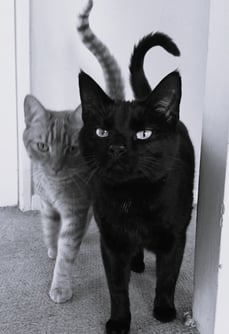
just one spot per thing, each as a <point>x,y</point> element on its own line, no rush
<point>142,167</point>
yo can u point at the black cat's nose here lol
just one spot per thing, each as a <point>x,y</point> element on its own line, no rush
<point>117,150</point>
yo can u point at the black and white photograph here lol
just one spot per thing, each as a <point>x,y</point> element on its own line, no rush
<point>114,169</point>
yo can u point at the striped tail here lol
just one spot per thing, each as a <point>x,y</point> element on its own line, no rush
<point>139,83</point>
<point>112,73</point>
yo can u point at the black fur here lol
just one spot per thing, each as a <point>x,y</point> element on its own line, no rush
<point>142,188</point>
<point>138,80</point>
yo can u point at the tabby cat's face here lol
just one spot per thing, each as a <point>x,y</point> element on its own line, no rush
<point>51,138</point>
<point>122,141</point>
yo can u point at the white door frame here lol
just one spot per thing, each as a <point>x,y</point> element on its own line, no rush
<point>8,124</point>
<point>213,159</point>
<point>221,321</point>
<point>212,176</point>
<point>22,10</point>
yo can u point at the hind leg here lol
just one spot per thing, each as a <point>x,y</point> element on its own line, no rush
<point>137,262</point>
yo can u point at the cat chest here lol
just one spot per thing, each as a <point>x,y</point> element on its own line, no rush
<point>53,190</point>
<point>127,207</point>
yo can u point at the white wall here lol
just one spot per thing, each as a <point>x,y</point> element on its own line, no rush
<point>58,54</point>
<point>8,126</point>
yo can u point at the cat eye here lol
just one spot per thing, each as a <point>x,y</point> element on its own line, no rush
<point>43,147</point>
<point>72,149</point>
<point>144,134</point>
<point>102,133</point>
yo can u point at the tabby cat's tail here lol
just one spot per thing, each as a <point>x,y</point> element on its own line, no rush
<point>112,73</point>
<point>139,83</point>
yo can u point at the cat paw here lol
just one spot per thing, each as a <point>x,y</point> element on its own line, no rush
<point>138,267</point>
<point>52,253</point>
<point>60,294</point>
<point>117,327</point>
<point>164,314</point>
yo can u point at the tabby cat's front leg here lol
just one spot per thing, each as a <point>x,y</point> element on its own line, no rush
<point>117,270</point>
<point>50,219</point>
<point>70,237</point>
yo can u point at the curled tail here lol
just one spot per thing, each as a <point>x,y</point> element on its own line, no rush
<point>110,67</point>
<point>139,83</point>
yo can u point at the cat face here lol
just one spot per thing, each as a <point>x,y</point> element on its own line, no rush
<point>123,141</point>
<point>51,138</point>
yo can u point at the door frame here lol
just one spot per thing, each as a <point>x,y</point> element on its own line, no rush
<point>8,125</point>
<point>22,23</point>
<point>213,165</point>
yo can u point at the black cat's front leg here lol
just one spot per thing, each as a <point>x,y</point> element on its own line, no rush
<point>117,270</point>
<point>168,267</point>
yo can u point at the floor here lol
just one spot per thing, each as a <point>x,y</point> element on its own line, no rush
<point>25,276</point>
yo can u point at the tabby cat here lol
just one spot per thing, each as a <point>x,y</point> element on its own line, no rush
<point>142,164</point>
<point>60,177</point>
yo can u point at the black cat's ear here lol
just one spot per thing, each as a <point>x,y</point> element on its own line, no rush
<point>165,98</point>
<point>93,98</point>
<point>33,109</point>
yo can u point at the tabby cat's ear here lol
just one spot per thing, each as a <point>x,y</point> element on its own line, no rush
<point>165,98</point>
<point>93,98</point>
<point>33,109</point>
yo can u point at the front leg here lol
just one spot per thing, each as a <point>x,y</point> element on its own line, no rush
<point>71,234</point>
<point>168,267</point>
<point>50,219</point>
<point>117,268</point>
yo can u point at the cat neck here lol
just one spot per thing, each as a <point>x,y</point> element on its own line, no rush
<point>132,185</point>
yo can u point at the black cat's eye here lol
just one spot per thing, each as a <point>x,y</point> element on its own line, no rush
<point>72,149</point>
<point>102,133</point>
<point>42,147</point>
<point>144,134</point>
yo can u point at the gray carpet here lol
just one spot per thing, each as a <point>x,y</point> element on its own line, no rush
<point>25,276</point>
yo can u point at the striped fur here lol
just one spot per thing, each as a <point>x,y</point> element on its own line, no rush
<point>111,69</point>
<point>60,177</point>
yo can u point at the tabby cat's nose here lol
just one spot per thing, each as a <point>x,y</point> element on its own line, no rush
<point>56,169</point>
<point>117,150</point>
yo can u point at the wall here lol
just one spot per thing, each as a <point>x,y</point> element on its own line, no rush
<point>8,126</point>
<point>58,54</point>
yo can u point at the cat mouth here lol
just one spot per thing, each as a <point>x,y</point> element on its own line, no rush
<point>118,171</point>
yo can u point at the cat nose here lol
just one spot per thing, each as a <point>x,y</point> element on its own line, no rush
<point>117,150</point>
<point>56,168</point>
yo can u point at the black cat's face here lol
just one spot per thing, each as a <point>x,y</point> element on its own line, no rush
<point>122,141</point>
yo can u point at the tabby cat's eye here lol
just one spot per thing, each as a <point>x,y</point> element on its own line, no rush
<point>102,133</point>
<point>144,134</point>
<point>43,147</point>
<point>72,149</point>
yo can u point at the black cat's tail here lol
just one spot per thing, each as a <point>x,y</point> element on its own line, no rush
<point>138,81</point>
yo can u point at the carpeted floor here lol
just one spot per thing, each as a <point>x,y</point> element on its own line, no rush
<point>25,276</point>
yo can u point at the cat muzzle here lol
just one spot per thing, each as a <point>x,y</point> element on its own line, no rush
<point>116,151</point>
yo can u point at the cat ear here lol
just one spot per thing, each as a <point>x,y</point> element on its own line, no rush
<point>93,98</point>
<point>165,98</point>
<point>33,109</point>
